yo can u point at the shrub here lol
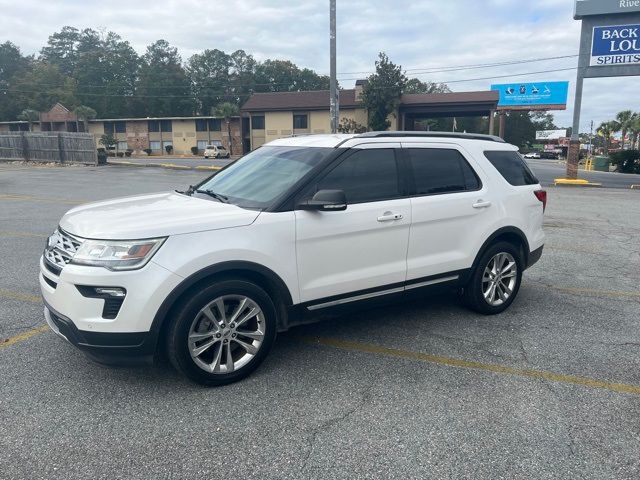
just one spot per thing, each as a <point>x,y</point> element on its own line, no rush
<point>168,149</point>
<point>111,154</point>
<point>128,152</point>
<point>195,150</point>
<point>120,154</point>
<point>147,151</point>
<point>102,150</point>
<point>627,161</point>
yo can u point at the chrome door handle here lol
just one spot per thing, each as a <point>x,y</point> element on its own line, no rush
<point>481,204</point>
<point>390,217</point>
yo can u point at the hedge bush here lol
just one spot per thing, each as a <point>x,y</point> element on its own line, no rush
<point>627,161</point>
<point>195,150</point>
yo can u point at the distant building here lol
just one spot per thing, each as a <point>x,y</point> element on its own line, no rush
<point>264,117</point>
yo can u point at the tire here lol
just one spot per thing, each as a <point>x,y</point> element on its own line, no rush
<point>498,298</point>
<point>194,329</point>
<point>206,157</point>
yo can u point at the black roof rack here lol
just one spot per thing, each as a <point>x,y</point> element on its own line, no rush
<point>466,136</point>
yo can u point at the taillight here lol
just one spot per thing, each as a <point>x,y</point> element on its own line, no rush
<point>542,196</point>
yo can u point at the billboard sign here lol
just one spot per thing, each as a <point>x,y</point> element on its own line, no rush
<point>585,8</point>
<point>616,45</point>
<point>551,134</point>
<point>533,96</point>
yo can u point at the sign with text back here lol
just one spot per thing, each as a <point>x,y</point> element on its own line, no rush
<point>617,45</point>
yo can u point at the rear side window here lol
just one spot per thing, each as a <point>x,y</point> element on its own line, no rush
<point>366,176</point>
<point>439,170</point>
<point>512,167</point>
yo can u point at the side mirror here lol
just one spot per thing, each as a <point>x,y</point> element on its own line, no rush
<point>326,201</point>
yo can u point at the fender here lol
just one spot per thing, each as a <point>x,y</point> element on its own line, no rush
<point>161,315</point>
<point>501,231</point>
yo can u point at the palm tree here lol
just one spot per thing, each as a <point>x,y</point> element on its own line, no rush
<point>227,110</point>
<point>635,130</point>
<point>606,130</point>
<point>625,120</point>
<point>30,116</point>
<point>84,114</point>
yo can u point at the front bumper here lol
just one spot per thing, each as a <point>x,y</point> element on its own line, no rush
<point>109,348</point>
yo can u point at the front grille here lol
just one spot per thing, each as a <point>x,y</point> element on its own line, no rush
<point>111,307</point>
<point>61,247</point>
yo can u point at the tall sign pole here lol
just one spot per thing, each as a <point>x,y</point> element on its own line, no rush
<point>609,47</point>
<point>333,85</point>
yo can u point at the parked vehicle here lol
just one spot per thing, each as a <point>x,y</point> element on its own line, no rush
<point>216,151</point>
<point>301,226</point>
<point>532,155</point>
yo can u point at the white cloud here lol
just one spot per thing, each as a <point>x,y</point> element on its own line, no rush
<point>422,34</point>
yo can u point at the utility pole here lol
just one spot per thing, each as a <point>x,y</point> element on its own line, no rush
<point>333,85</point>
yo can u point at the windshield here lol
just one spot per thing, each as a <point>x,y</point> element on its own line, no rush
<point>257,179</point>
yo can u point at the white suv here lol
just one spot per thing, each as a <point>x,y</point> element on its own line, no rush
<point>300,226</point>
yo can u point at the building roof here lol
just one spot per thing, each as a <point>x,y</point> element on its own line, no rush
<point>454,97</point>
<point>312,100</point>
<point>136,119</point>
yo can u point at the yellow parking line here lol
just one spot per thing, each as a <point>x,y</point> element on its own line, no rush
<point>11,233</point>
<point>29,198</point>
<point>21,337</point>
<point>596,293</point>
<point>23,297</point>
<point>488,367</point>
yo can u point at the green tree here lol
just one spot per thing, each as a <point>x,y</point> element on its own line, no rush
<point>42,86</point>
<point>521,127</point>
<point>31,116</point>
<point>108,140</point>
<point>12,66</point>
<point>62,49</point>
<point>349,125</point>
<point>242,76</point>
<point>84,114</point>
<point>163,87</point>
<point>415,85</point>
<point>606,131</point>
<point>209,72</point>
<point>626,120</point>
<point>227,110</point>
<point>285,76</point>
<point>381,94</point>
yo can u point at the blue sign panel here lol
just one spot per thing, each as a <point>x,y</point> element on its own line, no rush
<point>616,45</point>
<point>541,96</point>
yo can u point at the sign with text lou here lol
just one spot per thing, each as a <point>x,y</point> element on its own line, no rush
<point>532,96</point>
<point>615,45</point>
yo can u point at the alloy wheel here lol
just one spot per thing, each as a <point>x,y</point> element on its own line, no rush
<point>499,279</point>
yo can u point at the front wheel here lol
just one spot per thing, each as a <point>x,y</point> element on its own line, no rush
<point>496,280</point>
<point>223,333</point>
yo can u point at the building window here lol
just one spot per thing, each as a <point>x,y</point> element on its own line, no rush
<point>166,125</point>
<point>120,127</point>
<point>153,126</point>
<point>108,128</point>
<point>257,123</point>
<point>202,145</point>
<point>215,124</point>
<point>301,122</point>
<point>201,125</point>
<point>155,146</point>
<point>123,146</point>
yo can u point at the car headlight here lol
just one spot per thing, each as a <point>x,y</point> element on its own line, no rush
<point>117,254</point>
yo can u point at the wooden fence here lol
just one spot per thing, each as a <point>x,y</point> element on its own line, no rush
<point>48,147</point>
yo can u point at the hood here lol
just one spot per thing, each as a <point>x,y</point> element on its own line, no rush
<point>154,215</point>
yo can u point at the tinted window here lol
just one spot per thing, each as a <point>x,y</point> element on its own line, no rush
<point>120,127</point>
<point>215,124</point>
<point>201,125</point>
<point>300,121</point>
<point>257,123</point>
<point>153,126</point>
<point>108,128</point>
<point>512,167</point>
<point>438,170</point>
<point>366,176</point>
<point>165,125</point>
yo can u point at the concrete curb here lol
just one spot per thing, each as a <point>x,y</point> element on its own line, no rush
<point>569,182</point>
<point>168,166</point>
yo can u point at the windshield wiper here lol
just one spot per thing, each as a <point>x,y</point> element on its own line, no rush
<point>217,196</point>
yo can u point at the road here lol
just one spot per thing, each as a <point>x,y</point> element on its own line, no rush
<point>427,389</point>
<point>548,170</point>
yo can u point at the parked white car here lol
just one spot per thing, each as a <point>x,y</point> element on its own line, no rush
<point>300,226</point>
<point>216,151</point>
<point>532,155</point>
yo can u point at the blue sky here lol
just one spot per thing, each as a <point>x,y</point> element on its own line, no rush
<point>420,35</point>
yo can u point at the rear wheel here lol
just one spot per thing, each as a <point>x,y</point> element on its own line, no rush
<point>223,332</point>
<point>495,282</point>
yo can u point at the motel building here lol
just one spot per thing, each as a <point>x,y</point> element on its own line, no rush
<point>264,117</point>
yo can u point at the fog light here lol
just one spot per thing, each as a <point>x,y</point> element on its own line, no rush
<point>111,292</point>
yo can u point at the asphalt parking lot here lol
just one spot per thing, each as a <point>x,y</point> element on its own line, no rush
<point>549,389</point>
